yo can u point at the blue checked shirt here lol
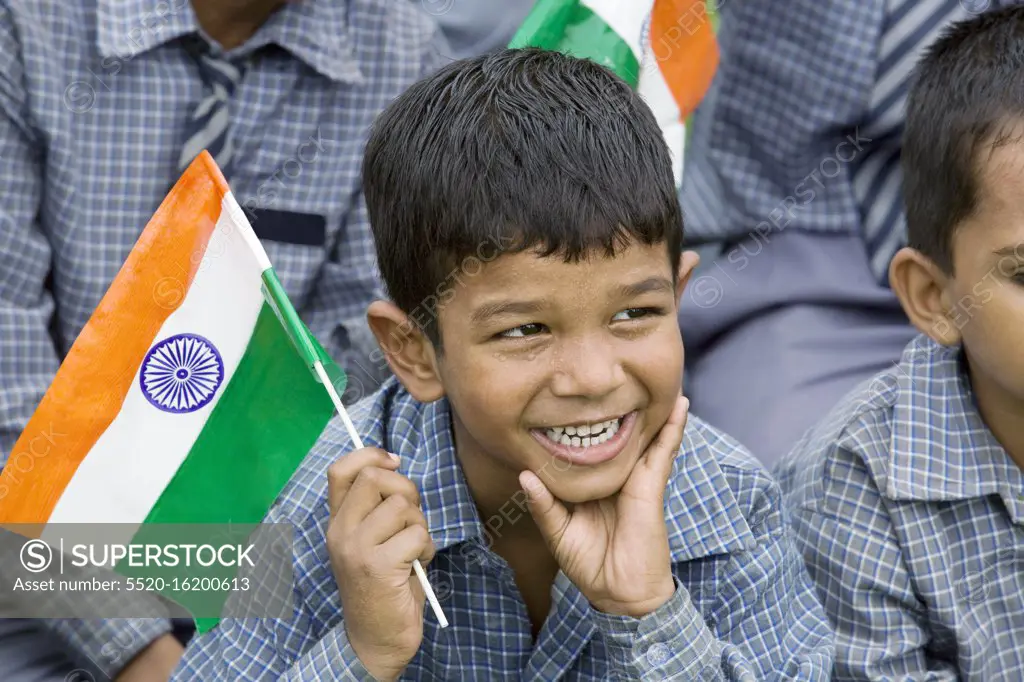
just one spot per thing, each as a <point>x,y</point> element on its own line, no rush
<point>743,609</point>
<point>911,519</point>
<point>94,100</point>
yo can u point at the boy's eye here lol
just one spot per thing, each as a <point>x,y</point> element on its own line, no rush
<point>635,314</point>
<point>523,330</point>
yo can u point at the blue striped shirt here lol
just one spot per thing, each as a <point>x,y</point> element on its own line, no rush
<point>744,608</point>
<point>911,518</point>
<point>95,96</point>
<point>805,112</point>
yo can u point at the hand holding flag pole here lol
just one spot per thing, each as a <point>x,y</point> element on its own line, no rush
<point>358,442</point>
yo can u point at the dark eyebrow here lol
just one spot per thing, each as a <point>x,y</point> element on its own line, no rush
<point>496,308</point>
<point>648,285</point>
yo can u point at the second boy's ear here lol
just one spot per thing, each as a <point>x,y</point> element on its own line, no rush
<point>688,261</point>
<point>923,290</point>
<point>409,352</point>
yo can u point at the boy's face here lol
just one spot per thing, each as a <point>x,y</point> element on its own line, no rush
<point>536,348</point>
<point>986,294</point>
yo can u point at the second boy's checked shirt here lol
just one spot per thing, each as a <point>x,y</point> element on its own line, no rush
<point>911,518</point>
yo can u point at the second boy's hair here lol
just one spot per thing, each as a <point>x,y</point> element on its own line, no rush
<point>508,151</point>
<point>967,99</point>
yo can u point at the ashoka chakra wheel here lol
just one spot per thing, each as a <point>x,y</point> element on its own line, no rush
<point>181,373</point>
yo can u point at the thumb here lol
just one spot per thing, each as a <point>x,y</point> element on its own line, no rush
<point>550,515</point>
<point>652,474</point>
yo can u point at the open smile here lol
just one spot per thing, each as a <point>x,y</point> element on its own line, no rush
<point>587,443</point>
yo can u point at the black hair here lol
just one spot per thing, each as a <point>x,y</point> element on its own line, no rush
<point>967,98</point>
<point>512,150</point>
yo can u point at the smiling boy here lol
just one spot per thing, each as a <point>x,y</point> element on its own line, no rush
<point>542,189</point>
<point>908,501</point>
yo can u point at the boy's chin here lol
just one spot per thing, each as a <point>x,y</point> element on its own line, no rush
<point>590,487</point>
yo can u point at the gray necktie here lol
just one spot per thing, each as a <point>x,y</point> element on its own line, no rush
<point>209,125</point>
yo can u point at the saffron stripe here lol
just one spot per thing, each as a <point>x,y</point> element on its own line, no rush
<point>685,49</point>
<point>159,423</point>
<point>88,390</point>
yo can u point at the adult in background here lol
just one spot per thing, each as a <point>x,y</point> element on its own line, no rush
<point>102,104</point>
<point>792,179</point>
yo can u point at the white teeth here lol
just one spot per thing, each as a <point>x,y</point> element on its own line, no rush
<point>584,435</point>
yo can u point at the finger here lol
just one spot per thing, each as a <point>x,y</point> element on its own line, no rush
<point>408,545</point>
<point>342,474</point>
<point>390,517</point>
<point>548,513</point>
<point>372,486</point>
<point>656,465</point>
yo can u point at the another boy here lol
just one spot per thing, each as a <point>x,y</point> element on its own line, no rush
<point>528,228</point>
<point>909,499</point>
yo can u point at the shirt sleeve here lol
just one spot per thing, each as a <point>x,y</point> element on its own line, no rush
<point>854,557</point>
<point>671,643</point>
<point>243,649</point>
<point>110,644</point>
<point>791,88</point>
<point>28,358</point>
<point>768,624</point>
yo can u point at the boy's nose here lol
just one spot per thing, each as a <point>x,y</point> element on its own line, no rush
<point>588,369</point>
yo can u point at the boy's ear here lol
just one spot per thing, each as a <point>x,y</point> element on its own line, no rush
<point>409,352</point>
<point>923,290</point>
<point>688,261</point>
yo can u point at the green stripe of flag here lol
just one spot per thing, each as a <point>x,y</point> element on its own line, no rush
<point>571,27</point>
<point>266,421</point>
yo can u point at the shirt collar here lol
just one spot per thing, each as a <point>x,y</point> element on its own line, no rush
<point>315,31</point>
<point>941,449</point>
<point>702,515</point>
<point>428,458</point>
<point>127,28</point>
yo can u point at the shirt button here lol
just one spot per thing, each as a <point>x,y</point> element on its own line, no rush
<point>658,654</point>
<point>477,557</point>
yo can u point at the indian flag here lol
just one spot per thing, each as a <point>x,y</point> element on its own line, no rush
<point>189,397</point>
<point>665,49</point>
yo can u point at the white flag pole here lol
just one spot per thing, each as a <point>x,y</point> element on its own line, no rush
<point>358,442</point>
